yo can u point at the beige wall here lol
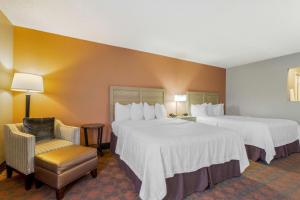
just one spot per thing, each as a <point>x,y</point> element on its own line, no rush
<point>78,74</point>
<point>261,89</point>
<point>6,65</point>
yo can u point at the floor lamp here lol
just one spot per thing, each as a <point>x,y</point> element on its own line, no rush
<point>28,83</point>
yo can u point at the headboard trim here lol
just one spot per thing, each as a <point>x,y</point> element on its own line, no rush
<point>127,95</point>
<point>200,98</point>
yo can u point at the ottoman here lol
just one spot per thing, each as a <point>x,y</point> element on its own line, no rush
<point>62,166</point>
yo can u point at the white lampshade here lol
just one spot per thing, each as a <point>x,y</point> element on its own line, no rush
<point>178,98</point>
<point>27,83</point>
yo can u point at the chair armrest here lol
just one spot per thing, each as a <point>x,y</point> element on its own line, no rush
<point>69,133</point>
<point>19,149</point>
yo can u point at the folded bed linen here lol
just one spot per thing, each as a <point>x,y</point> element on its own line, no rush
<point>158,149</point>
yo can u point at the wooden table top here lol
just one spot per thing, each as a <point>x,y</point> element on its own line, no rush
<point>95,125</point>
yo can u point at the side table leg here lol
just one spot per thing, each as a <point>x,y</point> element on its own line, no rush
<point>86,137</point>
<point>99,140</point>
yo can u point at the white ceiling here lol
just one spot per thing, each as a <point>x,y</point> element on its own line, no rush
<point>223,33</point>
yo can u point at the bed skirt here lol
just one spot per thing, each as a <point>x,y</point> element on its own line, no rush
<point>256,154</point>
<point>182,185</point>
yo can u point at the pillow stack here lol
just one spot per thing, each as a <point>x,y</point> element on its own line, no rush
<point>199,110</point>
<point>205,109</point>
<point>217,110</point>
<point>122,112</point>
<point>149,112</point>
<point>160,111</point>
<point>139,111</point>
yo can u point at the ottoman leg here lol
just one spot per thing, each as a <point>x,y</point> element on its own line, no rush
<point>60,193</point>
<point>28,181</point>
<point>38,184</point>
<point>9,171</point>
<point>94,173</point>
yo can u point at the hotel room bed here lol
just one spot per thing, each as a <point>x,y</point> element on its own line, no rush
<point>160,155</point>
<point>265,138</point>
<point>172,158</point>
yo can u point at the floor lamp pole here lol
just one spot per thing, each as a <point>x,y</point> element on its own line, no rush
<point>27,111</point>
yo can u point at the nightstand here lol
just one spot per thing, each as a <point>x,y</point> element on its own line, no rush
<point>99,127</point>
<point>187,118</point>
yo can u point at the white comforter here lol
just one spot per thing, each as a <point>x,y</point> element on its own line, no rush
<point>159,149</point>
<point>260,132</point>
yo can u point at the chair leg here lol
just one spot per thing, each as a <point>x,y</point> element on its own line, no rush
<point>28,181</point>
<point>94,173</point>
<point>9,171</point>
<point>60,193</point>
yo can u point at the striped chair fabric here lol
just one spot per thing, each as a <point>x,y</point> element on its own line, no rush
<point>20,147</point>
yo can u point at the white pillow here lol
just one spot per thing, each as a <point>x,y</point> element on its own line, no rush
<point>210,109</point>
<point>215,110</point>
<point>199,110</point>
<point>68,133</point>
<point>160,111</point>
<point>149,111</point>
<point>122,112</point>
<point>137,111</point>
<point>218,110</point>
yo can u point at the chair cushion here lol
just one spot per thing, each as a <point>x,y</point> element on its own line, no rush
<point>66,158</point>
<point>41,128</point>
<point>49,145</point>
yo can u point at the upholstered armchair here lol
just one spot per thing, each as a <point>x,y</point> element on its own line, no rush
<point>21,148</point>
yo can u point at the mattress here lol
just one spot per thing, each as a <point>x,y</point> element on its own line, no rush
<point>264,133</point>
<point>158,149</point>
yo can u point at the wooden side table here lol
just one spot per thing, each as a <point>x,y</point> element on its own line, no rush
<point>97,126</point>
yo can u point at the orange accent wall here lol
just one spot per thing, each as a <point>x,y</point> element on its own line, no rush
<point>77,75</point>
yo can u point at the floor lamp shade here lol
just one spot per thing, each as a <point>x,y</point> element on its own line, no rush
<point>28,83</point>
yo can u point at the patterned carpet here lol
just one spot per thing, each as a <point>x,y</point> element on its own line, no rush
<point>281,180</point>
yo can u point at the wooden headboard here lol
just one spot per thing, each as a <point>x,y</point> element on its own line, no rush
<point>127,95</point>
<point>201,97</point>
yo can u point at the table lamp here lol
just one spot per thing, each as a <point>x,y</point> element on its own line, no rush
<point>179,98</point>
<point>29,83</point>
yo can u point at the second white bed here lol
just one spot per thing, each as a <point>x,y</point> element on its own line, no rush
<point>264,133</point>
